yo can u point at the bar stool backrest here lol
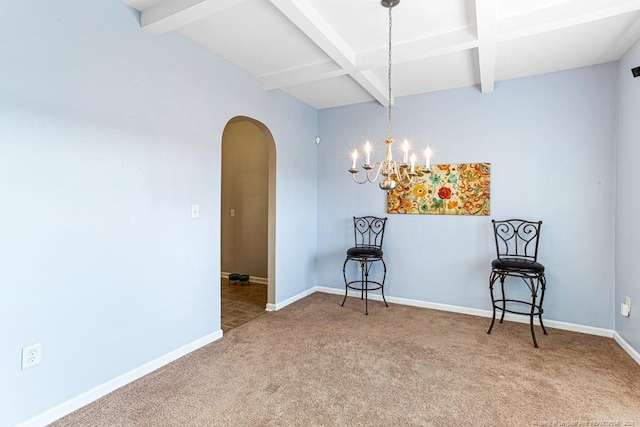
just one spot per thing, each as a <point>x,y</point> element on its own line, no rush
<point>369,231</point>
<point>517,238</point>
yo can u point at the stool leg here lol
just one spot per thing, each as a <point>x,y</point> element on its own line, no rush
<point>543,284</point>
<point>492,280</point>
<point>346,286</point>
<point>362,278</point>
<point>504,302</point>
<point>365,269</point>
<point>532,314</point>
<point>384,276</point>
<point>365,286</point>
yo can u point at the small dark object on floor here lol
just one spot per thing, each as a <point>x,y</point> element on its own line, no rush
<point>237,277</point>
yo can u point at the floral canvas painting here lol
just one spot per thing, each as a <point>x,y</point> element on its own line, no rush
<point>456,189</point>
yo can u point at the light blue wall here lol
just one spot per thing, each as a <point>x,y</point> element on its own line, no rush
<point>107,136</point>
<point>550,140</point>
<point>627,203</point>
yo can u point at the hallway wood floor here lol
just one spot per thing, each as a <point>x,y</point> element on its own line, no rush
<point>241,303</point>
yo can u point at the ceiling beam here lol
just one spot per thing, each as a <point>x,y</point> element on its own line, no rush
<point>489,32</point>
<point>299,75</point>
<point>487,27</point>
<point>172,14</point>
<point>302,14</point>
<point>562,16</point>
<point>415,50</point>
<point>455,41</point>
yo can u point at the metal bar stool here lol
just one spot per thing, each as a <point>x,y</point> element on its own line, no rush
<point>369,233</point>
<point>517,251</point>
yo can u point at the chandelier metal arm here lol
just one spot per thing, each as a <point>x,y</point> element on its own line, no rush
<point>368,172</point>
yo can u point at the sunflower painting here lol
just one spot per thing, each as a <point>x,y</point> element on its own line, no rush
<point>461,189</point>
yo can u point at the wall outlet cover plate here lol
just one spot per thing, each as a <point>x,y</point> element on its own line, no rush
<point>31,355</point>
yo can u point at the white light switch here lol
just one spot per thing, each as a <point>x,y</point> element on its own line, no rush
<point>233,212</point>
<point>195,211</point>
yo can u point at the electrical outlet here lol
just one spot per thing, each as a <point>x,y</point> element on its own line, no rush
<point>624,309</point>
<point>628,303</point>
<point>31,355</point>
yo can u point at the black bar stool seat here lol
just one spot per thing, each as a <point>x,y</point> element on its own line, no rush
<point>516,264</point>
<point>363,251</point>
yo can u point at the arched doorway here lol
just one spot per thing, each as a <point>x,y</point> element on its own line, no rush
<point>248,177</point>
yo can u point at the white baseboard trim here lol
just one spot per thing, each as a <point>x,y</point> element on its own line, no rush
<point>627,347</point>
<point>253,279</point>
<point>259,280</point>
<point>280,305</point>
<point>97,392</point>
<point>473,312</point>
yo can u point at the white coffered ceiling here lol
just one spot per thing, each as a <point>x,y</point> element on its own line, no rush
<point>334,52</point>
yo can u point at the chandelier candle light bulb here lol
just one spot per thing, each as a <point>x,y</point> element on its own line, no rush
<point>413,163</point>
<point>367,150</point>
<point>405,149</point>
<point>354,156</point>
<point>427,159</point>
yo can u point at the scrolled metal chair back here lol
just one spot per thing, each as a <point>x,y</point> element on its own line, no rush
<point>369,231</point>
<point>517,238</point>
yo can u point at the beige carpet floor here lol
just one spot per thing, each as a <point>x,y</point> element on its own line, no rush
<point>315,363</point>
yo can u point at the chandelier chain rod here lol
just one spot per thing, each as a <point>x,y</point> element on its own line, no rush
<point>389,79</point>
<point>405,173</point>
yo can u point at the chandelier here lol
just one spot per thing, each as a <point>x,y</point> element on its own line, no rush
<point>406,173</point>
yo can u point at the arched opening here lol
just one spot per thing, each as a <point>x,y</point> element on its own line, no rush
<point>247,244</point>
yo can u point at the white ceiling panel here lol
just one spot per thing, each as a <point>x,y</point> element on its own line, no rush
<point>333,52</point>
<point>432,74</point>
<point>255,36</point>
<point>364,24</point>
<point>330,92</point>
<point>577,46</point>
<point>507,8</point>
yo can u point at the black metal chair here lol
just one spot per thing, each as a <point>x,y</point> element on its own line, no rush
<point>517,250</point>
<point>369,233</point>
